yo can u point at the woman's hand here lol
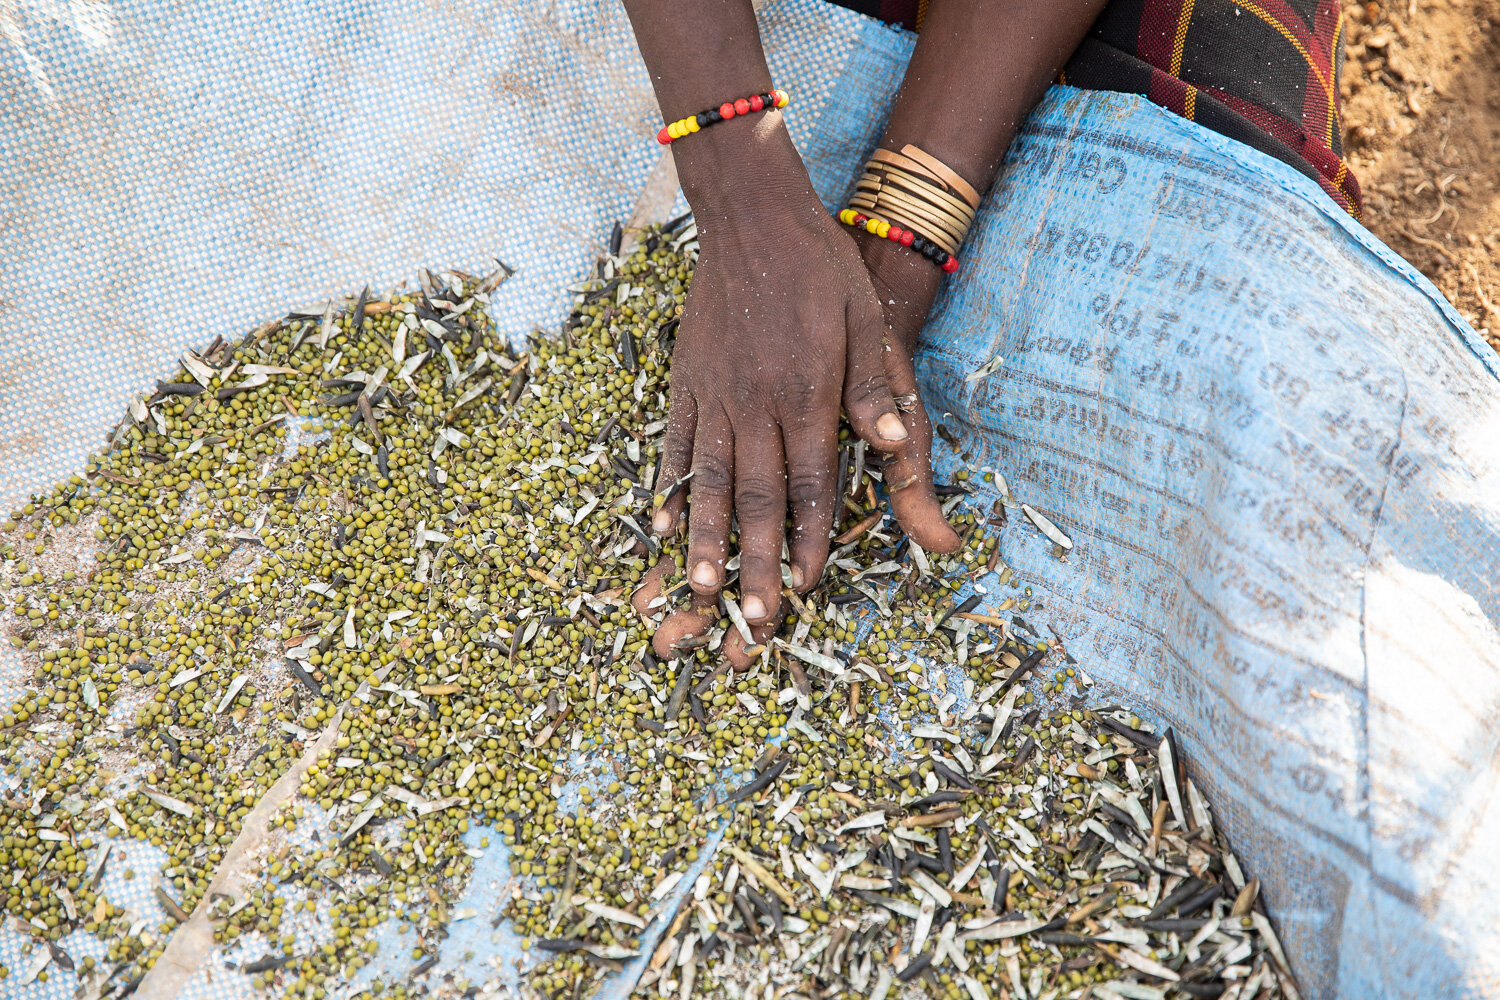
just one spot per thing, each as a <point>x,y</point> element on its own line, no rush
<point>907,283</point>
<point>782,324</point>
<point>783,317</point>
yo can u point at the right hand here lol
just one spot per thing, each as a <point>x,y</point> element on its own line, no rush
<point>781,325</point>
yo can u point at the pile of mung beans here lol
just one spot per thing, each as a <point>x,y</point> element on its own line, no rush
<point>378,551</point>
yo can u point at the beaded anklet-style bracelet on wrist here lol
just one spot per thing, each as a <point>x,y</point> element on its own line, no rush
<point>918,197</point>
<point>724,112</point>
<point>918,243</point>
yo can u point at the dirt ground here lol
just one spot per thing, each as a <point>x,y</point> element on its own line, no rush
<point>1422,134</point>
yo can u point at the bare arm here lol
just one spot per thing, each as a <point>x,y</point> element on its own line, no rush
<point>701,54</point>
<point>978,69</point>
<point>781,325</point>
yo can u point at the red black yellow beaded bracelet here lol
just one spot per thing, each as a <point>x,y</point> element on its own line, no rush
<point>879,227</point>
<point>724,112</point>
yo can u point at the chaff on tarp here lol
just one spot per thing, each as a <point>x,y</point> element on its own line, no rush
<point>1274,447</point>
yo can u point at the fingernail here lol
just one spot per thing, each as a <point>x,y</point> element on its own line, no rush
<point>754,607</point>
<point>705,575</point>
<point>662,522</point>
<point>890,427</point>
<point>798,578</point>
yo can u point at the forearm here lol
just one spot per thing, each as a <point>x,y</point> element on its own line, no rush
<point>700,52</point>
<point>979,68</point>
<point>699,55</point>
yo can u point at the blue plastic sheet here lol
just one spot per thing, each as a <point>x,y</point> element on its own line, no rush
<point>1277,450</point>
<point>1274,445</point>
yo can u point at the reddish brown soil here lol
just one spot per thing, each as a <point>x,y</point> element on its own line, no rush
<point>1422,133</point>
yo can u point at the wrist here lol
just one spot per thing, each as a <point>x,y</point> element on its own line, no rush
<point>749,158</point>
<point>906,282</point>
<point>900,268</point>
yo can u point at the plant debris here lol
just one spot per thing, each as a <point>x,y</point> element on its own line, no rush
<point>378,524</point>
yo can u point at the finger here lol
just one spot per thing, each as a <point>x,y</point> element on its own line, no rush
<point>908,474</point>
<point>652,586</point>
<point>711,490</point>
<point>742,656</point>
<point>812,448</point>
<point>676,460</point>
<point>760,504</point>
<point>684,624</point>
<point>867,394</point>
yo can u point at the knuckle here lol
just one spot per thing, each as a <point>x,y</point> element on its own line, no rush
<point>744,389</point>
<point>756,500</point>
<point>868,389</point>
<point>679,393</point>
<point>760,572</point>
<point>800,392</point>
<point>677,451</point>
<point>805,487</point>
<point>710,474</point>
<point>869,329</point>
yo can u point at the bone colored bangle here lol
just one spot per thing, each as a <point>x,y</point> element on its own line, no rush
<point>937,211</point>
<point>919,185</point>
<point>929,192</point>
<point>888,199</point>
<point>932,192</point>
<point>940,212</point>
<point>869,206</point>
<point>931,234</point>
<point>940,201</point>
<point>957,184</point>
<point>945,209</point>
<point>885,156</point>
<point>919,221</point>
<point>889,164</point>
<point>926,221</point>
<point>940,240</point>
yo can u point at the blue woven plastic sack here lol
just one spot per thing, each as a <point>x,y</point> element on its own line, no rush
<point>1277,451</point>
<point>1275,447</point>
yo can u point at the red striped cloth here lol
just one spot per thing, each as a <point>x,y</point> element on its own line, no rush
<point>1264,72</point>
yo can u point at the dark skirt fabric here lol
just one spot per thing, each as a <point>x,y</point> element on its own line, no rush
<point>1263,72</point>
<point>902,13</point>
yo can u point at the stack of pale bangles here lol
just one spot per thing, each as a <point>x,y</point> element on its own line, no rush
<point>911,197</point>
<point>915,199</point>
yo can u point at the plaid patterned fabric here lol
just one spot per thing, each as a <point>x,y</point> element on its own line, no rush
<point>1264,72</point>
<point>901,13</point>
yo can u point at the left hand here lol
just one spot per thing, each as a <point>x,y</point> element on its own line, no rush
<point>907,283</point>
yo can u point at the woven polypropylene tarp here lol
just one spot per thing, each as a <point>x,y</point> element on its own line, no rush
<point>173,173</point>
<point>1276,447</point>
<point>1278,450</point>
